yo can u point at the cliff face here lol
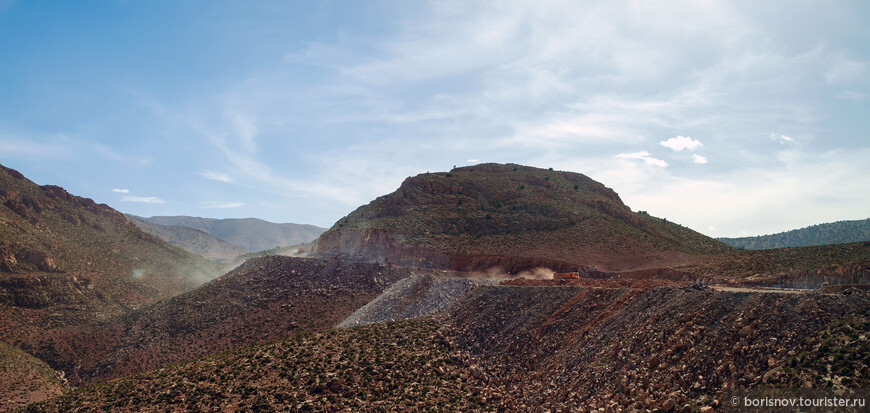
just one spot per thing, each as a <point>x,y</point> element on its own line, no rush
<point>509,217</point>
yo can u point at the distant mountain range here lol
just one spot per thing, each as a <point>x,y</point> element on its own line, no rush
<point>840,232</point>
<point>193,240</point>
<point>246,234</point>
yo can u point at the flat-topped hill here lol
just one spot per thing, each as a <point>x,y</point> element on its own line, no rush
<point>513,217</point>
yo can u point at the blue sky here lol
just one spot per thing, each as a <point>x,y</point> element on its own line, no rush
<point>732,118</point>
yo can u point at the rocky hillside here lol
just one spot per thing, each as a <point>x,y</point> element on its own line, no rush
<point>799,267</point>
<point>25,379</point>
<point>250,234</point>
<point>512,217</point>
<point>840,232</point>
<point>193,240</point>
<point>564,348</point>
<point>404,366</point>
<point>66,260</point>
<point>529,348</point>
<point>264,299</point>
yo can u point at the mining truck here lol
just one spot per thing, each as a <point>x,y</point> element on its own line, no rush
<point>566,275</point>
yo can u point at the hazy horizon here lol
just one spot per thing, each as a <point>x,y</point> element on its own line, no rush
<point>733,119</point>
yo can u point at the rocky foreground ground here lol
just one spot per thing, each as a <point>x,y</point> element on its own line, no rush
<point>661,348</point>
<point>613,346</point>
<point>265,299</point>
<point>400,366</point>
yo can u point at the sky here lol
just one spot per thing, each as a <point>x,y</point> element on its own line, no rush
<point>733,118</point>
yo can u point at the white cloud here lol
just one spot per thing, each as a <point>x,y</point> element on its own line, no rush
<point>222,205</point>
<point>215,176</point>
<point>121,191</point>
<point>828,186</point>
<point>781,138</point>
<point>852,95</point>
<point>113,155</point>
<point>644,156</point>
<point>681,142</point>
<point>143,199</point>
<point>246,129</point>
<point>526,83</point>
<point>843,70</point>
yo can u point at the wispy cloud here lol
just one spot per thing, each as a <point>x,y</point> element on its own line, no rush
<point>781,138</point>
<point>681,142</point>
<point>852,95</point>
<point>121,191</point>
<point>113,155</point>
<point>645,157</point>
<point>215,176</point>
<point>543,84</point>
<point>222,205</point>
<point>143,199</point>
<point>55,146</point>
<point>844,69</point>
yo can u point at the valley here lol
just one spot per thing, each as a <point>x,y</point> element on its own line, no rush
<point>441,296</point>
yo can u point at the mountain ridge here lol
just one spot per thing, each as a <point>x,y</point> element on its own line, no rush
<point>190,239</point>
<point>839,232</point>
<point>251,234</point>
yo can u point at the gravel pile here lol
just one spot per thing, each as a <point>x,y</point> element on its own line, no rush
<point>414,297</point>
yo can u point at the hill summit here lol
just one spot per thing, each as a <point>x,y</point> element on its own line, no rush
<point>511,217</point>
